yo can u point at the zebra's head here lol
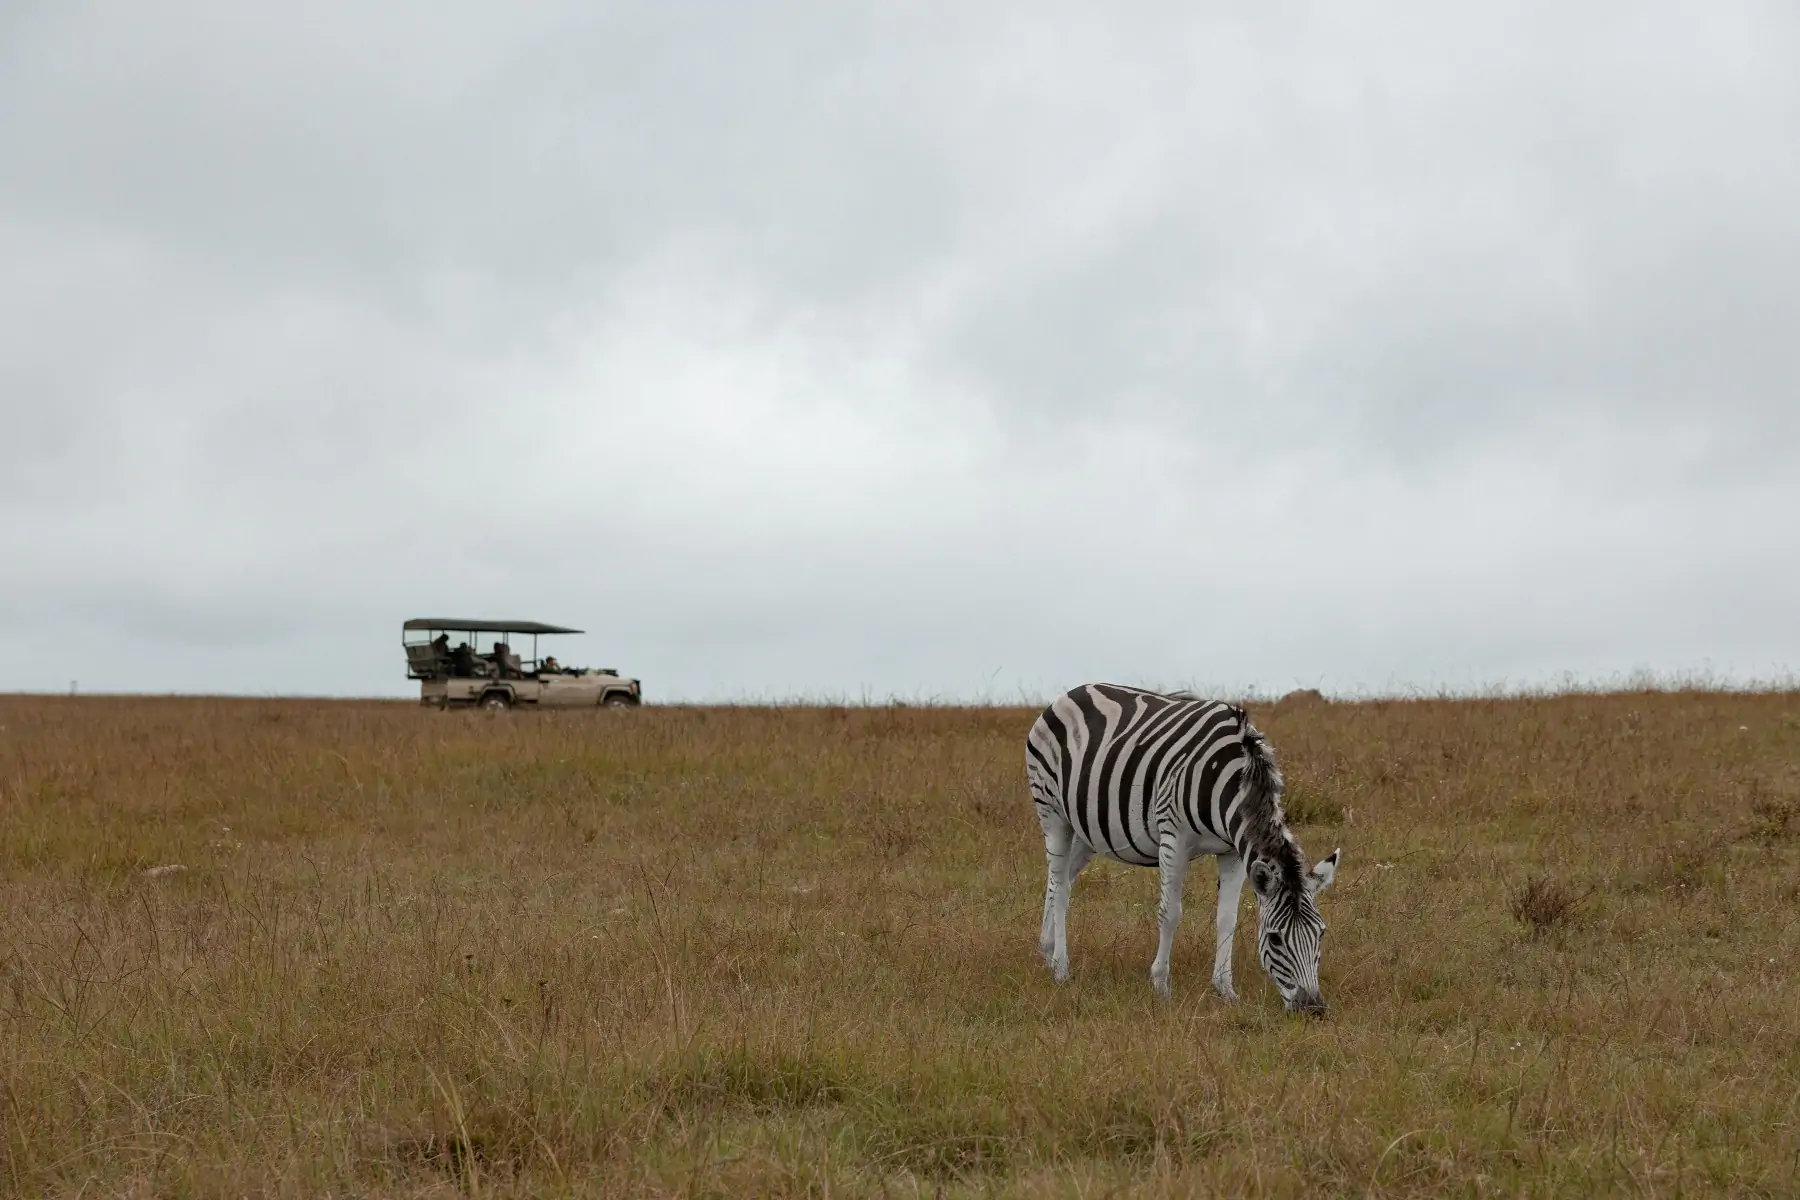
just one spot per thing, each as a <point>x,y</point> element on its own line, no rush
<point>1289,930</point>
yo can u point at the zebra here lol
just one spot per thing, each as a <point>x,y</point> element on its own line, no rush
<point>1155,779</point>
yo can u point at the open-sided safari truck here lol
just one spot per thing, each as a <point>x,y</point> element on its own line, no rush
<point>498,678</point>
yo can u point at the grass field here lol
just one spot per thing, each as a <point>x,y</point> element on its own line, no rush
<point>767,951</point>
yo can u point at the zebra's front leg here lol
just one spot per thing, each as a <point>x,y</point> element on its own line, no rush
<point>1171,868</point>
<point>1231,884</point>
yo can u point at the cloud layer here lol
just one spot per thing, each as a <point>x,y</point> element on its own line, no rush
<point>943,352</point>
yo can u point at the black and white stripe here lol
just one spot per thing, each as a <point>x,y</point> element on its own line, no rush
<point>1155,779</point>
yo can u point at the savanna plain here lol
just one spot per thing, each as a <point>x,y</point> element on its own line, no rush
<point>311,948</point>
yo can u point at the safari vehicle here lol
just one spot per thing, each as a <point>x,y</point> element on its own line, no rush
<point>500,679</point>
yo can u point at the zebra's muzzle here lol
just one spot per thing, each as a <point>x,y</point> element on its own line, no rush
<point>1310,1003</point>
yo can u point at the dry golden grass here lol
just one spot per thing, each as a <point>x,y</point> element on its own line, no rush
<point>760,951</point>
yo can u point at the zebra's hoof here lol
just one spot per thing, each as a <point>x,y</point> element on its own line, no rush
<point>1059,971</point>
<point>1227,993</point>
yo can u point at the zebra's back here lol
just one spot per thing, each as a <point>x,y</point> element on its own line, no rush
<point>1100,755</point>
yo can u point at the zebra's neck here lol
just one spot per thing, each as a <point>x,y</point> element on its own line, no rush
<point>1257,828</point>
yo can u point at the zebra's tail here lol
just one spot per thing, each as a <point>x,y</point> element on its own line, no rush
<point>1262,776</point>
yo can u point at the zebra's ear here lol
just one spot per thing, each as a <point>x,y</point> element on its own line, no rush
<point>1262,878</point>
<point>1323,872</point>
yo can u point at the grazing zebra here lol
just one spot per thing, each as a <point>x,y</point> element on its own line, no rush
<point>1158,780</point>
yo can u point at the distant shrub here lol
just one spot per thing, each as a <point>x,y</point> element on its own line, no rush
<point>1543,904</point>
<point>1300,698</point>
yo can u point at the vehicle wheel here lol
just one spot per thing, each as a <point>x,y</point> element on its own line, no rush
<point>496,702</point>
<point>618,700</point>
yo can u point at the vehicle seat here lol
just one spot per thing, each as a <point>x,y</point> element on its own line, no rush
<point>422,660</point>
<point>507,661</point>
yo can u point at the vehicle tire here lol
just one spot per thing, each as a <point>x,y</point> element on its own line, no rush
<point>618,700</point>
<point>496,702</point>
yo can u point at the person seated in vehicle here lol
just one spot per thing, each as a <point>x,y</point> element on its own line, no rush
<point>550,666</point>
<point>440,649</point>
<point>463,661</point>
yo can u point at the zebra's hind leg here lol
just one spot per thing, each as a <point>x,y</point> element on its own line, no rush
<point>1058,833</point>
<point>1065,855</point>
<point>1046,932</point>
<point>1079,856</point>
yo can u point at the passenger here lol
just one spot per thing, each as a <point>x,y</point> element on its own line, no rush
<point>551,666</point>
<point>463,660</point>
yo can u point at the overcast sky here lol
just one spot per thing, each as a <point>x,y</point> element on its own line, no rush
<point>939,350</point>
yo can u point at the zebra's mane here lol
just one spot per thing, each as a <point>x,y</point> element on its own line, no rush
<point>1265,825</point>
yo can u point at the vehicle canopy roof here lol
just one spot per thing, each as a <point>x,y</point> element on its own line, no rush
<point>471,625</point>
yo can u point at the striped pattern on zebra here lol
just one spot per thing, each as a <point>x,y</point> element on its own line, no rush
<point>1158,779</point>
